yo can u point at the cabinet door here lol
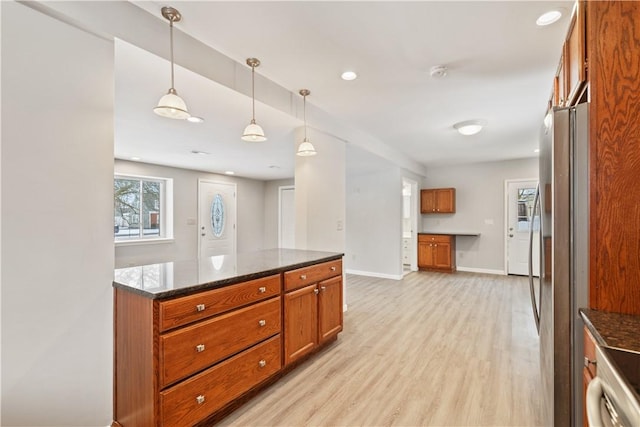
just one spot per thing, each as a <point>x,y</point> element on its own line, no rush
<point>425,254</point>
<point>427,201</point>
<point>446,200</point>
<point>442,255</point>
<point>330,308</point>
<point>300,322</point>
<point>574,55</point>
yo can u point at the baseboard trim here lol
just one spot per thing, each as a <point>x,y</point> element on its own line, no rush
<point>481,270</point>
<point>372,274</point>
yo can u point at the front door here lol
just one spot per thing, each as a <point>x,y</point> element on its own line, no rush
<point>216,218</point>
<point>520,198</point>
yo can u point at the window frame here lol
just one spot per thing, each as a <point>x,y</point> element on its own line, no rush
<point>166,211</point>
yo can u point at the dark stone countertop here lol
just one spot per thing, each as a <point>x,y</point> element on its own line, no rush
<point>171,279</point>
<point>613,329</point>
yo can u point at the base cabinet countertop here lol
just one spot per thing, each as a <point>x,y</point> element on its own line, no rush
<point>193,338</point>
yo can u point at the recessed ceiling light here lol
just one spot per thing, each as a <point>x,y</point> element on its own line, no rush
<point>548,18</point>
<point>469,127</point>
<point>135,159</point>
<point>537,150</point>
<point>349,75</point>
<point>202,153</point>
<point>195,119</point>
<point>229,173</point>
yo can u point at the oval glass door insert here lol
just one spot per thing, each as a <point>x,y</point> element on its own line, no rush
<point>217,215</point>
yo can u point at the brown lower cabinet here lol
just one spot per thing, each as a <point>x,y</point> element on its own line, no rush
<point>312,312</point>
<point>181,361</point>
<point>436,252</point>
<point>590,370</point>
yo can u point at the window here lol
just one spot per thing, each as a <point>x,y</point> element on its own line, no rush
<point>141,208</point>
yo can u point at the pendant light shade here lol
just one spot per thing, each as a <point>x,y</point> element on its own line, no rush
<point>305,148</point>
<point>171,105</point>
<point>253,132</point>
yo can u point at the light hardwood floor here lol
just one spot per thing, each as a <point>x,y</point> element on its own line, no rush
<point>430,350</point>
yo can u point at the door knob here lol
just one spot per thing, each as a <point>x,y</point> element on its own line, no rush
<point>510,235</point>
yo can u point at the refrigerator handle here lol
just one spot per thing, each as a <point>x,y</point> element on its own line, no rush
<point>534,305</point>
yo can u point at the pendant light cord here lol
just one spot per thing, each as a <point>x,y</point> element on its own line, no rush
<point>171,49</point>
<point>304,115</point>
<point>253,94</point>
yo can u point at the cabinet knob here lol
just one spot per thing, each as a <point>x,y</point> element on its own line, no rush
<point>200,399</point>
<point>262,289</point>
<point>316,291</point>
<point>303,276</point>
<point>333,268</point>
<point>436,245</point>
<point>200,307</point>
<point>262,363</point>
<point>200,348</point>
<point>262,322</point>
<point>588,362</point>
<point>323,288</point>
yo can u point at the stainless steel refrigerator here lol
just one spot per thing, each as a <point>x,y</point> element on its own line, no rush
<point>562,287</point>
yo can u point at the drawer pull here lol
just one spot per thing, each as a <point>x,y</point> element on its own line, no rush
<point>262,289</point>
<point>262,322</point>
<point>262,363</point>
<point>303,276</point>
<point>200,399</point>
<point>200,348</point>
<point>200,307</point>
<point>333,268</point>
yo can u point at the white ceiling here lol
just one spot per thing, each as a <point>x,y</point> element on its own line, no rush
<point>501,67</point>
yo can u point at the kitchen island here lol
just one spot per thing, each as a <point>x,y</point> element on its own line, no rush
<point>196,338</point>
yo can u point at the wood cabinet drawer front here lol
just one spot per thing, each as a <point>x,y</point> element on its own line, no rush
<point>434,238</point>
<point>181,311</point>
<point>196,398</point>
<point>193,348</point>
<point>304,276</point>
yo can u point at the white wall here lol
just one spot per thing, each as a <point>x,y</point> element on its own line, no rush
<point>250,211</point>
<point>374,214</point>
<point>480,205</point>
<point>320,194</point>
<point>271,209</point>
<point>57,258</point>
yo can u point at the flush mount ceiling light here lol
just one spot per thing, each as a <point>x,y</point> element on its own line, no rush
<point>469,127</point>
<point>253,132</point>
<point>171,105</point>
<point>349,75</point>
<point>548,18</point>
<point>438,71</point>
<point>305,148</point>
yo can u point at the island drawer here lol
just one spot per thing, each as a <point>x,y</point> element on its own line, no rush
<point>300,277</point>
<point>184,310</point>
<point>194,399</point>
<point>193,348</point>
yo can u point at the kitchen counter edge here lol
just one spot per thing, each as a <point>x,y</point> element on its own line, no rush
<point>613,329</point>
<point>228,281</point>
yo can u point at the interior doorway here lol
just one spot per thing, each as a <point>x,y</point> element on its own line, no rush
<point>287,217</point>
<point>520,196</point>
<point>216,218</point>
<point>409,226</point>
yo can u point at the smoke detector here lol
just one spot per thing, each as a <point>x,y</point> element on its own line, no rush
<point>438,71</point>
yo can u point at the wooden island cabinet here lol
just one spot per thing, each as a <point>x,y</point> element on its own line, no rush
<point>186,351</point>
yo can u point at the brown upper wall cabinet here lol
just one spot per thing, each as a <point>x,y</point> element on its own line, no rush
<point>571,76</point>
<point>438,200</point>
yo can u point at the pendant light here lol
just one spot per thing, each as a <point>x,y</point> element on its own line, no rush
<point>171,105</point>
<point>253,132</point>
<point>305,148</point>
